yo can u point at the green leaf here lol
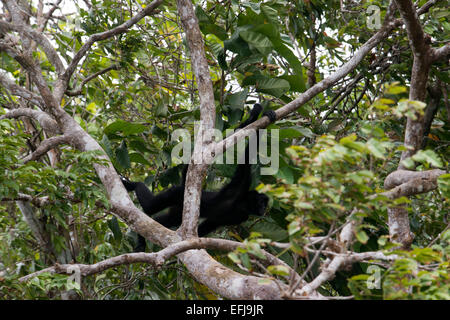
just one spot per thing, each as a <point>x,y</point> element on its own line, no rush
<point>214,29</point>
<point>237,45</point>
<point>270,230</point>
<point>272,86</point>
<point>138,158</point>
<point>106,144</point>
<point>395,88</point>
<point>278,270</point>
<point>286,174</point>
<point>296,82</point>
<point>362,236</point>
<point>127,128</point>
<point>258,40</point>
<point>428,156</point>
<point>295,132</point>
<point>122,156</point>
<point>271,32</point>
<point>113,224</point>
<point>246,261</point>
<point>270,13</point>
<point>444,184</point>
<point>234,257</point>
<point>237,100</point>
<point>376,148</point>
<point>202,16</point>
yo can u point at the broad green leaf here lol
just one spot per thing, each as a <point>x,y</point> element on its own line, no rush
<point>106,144</point>
<point>275,87</point>
<point>278,270</point>
<point>127,128</point>
<point>428,156</point>
<point>259,41</point>
<point>113,224</point>
<point>362,236</point>
<point>138,158</point>
<point>122,156</point>
<point>376,148</point>
<point>270,230</point>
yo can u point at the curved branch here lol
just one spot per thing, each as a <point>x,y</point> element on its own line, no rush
<point>440,53</point>
<point>410,188</point>
<point>35,72</point>
<point>338,262</point>
<point>39,38</point>
<point>19,91</point>
<point>44,119</point>
<point>156,259</point>
<point>77,91</point>
<point>400,177</point>
<point>45,146</point>
<point>148,10</point>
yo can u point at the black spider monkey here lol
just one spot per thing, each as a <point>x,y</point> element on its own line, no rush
<point>231,205</point>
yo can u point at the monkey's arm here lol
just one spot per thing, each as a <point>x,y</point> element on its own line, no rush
<point>151,203</point>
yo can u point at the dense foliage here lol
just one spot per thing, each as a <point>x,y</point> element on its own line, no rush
<point>334,152</point>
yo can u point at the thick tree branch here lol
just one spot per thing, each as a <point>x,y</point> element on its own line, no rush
<point>416,35</point>
<point>44,119</point>
<point>406,183</point>
<point>411,188</point>
<point>398,220</point>
<point>35,72</point>
<point>39,38</point>
<point>37,227</point>
<point>38,202</point>
<point>440,53</point>
<point>423,56</point>
<point>400,177</point>
<point>156,259</point>
<point>338,262</point>
<point>196,172</point>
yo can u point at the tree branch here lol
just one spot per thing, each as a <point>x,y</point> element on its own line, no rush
<point>196,172</point>
<point>44,119</point>
<point>440,53</point>
<point>45,146</point>
<point>338,262</point>
<point>19,91</point>
<point>39,38</point>
<point>77,91</point>
<point>400,177</point>
<point>416,35</point>
<point>35,72</point>
<point>156,259</point>
<point>38,202</point>
<point>148,10</point>
<point>387,27</point>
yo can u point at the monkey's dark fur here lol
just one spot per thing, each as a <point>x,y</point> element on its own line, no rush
<point>231,205</point>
